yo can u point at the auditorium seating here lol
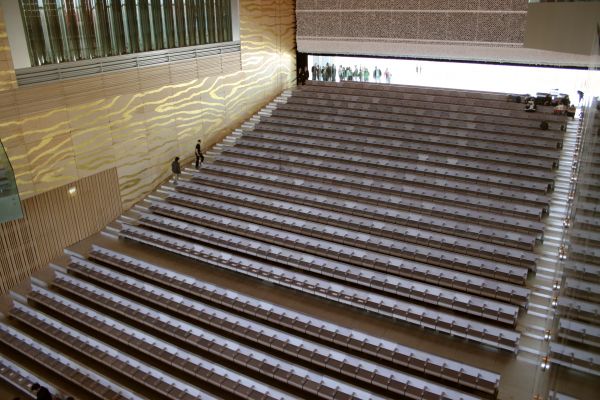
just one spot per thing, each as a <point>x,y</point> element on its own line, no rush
<point>418,209</point>
<point>385,306</point>
<point>74,372</point>
<point>313,327</point>
<point>325,235</point>
<point>15,375</point>
<point>575,358</point>
<point>384,138</point>
<point>386,170</point>
<point>205,370</point>
<point>354,215</point>
<point>465,170</point>
<point>245,357</point>
<point>574,348</point>
<point>364,202</point>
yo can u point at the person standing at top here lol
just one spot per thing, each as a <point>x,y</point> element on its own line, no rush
<point>342,72</point>
<point>388,76</point>
<point>366,74</point>
<point>377,74</point>
<point>198,153</point>
<point>333,73</point>
<point>176,169</point>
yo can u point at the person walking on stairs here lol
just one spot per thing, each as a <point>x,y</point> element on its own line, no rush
<point>176,169</point>
<point>198,152</point>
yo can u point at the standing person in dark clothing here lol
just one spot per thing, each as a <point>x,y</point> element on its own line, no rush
<point>176,169</point>
<point>41,392</point>
<point>198,152</point>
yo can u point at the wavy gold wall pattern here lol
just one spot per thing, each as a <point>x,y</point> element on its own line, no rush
<point>8,79</point>
<point>136,121</point>
<point>54,220</point>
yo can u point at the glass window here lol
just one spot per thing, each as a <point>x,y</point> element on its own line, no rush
<point>70,30</point>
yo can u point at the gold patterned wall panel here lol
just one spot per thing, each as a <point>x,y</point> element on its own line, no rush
<point>54,220</point>
<point>137,120</point>
<point>8,79</point>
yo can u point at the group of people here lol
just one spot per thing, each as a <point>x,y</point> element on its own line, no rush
<point>330,73</point>
<point>562,104</point>
<point>176,166</point>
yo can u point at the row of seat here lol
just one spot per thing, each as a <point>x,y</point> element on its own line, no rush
<point>385,221</point>
<point>587,222</point>
<point>21,379</point>
<point>586,254</point>
<point>364,203</point>
<point>311,220</point>
<point>224,348</point>
<point>391,149</point>
<point>507,124</point>
<point>327,267</point>
<point>228,348</point>
<point>405,131</point>
<point>324,258</point>
<point>382,305</point>
<point>579,332</point>
<point>583,271</point>
<point>574,358</point>
<point>388,138</point>
<point>333,163</point>
<point>345,245</point>
<point>419,120</point>
<point>75,373</point>
<point>123,363</point>
<point>363,277</point>
<point>582,289</point>
<point>579,235</point>
<point>297,177</point>
<point>334,157</point>
<point>300,324</point>
<point>578,309</point>
<point>490,103</point>
<point>406,93</point>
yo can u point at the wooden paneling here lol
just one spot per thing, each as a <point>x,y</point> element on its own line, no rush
<point>54,220</point>
<point>137,120</point>
<point>8,80</point>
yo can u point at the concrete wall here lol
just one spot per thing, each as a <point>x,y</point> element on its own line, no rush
<point>565,27</point>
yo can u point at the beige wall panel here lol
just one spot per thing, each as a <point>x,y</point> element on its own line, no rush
<point>54,220</point>
<point>8,80</point>
<point>32,98</point>
<point>120,131</point>
<point>137,120</point>
<point>94,158</point>
<point>19,160</point>
<point>41,126</point>
<point>52,162</point>
<point>92,86</point>
<point>11,134</point>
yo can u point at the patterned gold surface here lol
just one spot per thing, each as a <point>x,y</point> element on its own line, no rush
<point>138,120</point>
<point>8,79</point>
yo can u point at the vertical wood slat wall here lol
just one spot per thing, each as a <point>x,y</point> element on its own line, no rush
<point>55,220</point>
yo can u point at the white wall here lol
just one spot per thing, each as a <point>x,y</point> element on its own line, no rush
<point>235,23</point>
<point>16,33</point>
